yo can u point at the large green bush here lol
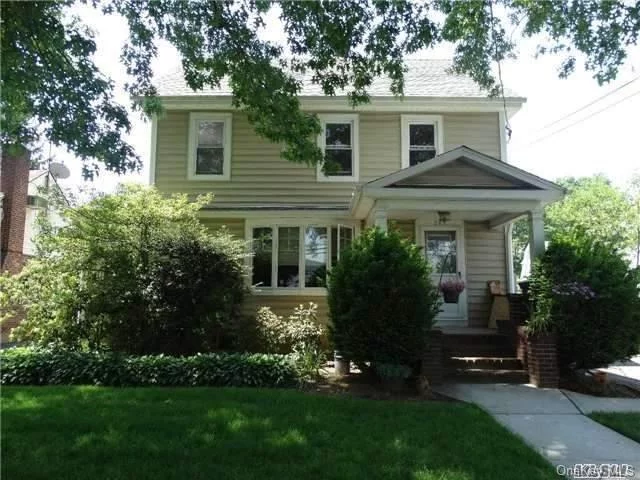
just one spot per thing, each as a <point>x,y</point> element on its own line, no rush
<point>382,302</point>
<point>134,272</point>
<point>31,366</point>
<point>585,292</point>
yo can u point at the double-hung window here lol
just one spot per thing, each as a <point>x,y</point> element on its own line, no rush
<point>421,138</point>
<point>339,143</point>
<point>289,257</point>
<point>209,147</point>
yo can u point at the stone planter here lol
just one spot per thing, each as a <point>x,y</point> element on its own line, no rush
<point>541,356</point>
<point>341,364</point>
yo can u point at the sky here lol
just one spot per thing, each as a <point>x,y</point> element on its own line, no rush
<point>602,138</point>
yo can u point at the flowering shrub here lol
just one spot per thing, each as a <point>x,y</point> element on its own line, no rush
<point>586,293</point>
<point>452,285</point>
<point>574,289</point>
<point>299,334</point>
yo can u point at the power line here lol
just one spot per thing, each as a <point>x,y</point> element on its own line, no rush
<point>602,97</point>
<point>582,119</point>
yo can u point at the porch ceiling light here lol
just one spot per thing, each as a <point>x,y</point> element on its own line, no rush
<point>443,217</point>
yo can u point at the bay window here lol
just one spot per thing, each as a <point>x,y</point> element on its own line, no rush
<point>296,256</point>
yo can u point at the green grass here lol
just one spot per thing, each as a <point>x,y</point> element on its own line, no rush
<point>224,433</point>
<point>626,423</point>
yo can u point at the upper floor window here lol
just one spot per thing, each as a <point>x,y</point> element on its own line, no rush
<point>421,138</point>
<point>209,147</point>
<point>339,144</point>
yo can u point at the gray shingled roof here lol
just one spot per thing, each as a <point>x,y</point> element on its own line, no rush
<point>424,78</point>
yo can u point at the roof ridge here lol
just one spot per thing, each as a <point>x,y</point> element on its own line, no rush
<point>423,77</point>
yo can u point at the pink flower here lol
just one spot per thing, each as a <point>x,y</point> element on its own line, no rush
<point>452,285</point>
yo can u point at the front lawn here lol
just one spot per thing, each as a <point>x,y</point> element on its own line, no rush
<point>626,423</point>
<point>226,433</point>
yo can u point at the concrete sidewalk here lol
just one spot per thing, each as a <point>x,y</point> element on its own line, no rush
<point>626,372</point>
<point>588,403</point>
<point>550,422</point>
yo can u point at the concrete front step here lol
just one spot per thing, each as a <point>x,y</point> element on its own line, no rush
<point>486,363</point>
<point>481,375</point>
<point>478,351</point>
<point>477,345</point>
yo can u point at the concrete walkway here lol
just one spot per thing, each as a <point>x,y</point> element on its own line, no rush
<point>550,422</point>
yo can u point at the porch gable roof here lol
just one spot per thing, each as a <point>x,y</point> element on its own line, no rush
<point>459,178</point>
<point>511,176</point>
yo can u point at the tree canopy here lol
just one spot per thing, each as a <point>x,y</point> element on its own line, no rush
<point>49,78</point>
<point>593,208</point>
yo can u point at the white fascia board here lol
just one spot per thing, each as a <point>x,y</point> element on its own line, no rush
<point>461,194</point>
<point>377,104</point>
<point>489,205</point>
<point>298,215</point>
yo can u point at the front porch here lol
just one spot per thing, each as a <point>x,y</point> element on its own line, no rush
<point>457,207</point>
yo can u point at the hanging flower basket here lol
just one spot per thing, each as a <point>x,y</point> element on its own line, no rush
<point>451,289</point>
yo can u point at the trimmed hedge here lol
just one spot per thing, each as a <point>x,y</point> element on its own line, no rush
<point>30,366</point>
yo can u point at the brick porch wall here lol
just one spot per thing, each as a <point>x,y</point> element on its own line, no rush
<point>541,358</point>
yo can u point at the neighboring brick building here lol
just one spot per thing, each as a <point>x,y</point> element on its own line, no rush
<point>14,190</point>
<point>14,185</point>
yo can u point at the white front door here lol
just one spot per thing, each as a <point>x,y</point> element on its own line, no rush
<point>443,248</point>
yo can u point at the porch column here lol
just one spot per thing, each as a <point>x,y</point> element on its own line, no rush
<point>536,234</point>
<point>380,219</point>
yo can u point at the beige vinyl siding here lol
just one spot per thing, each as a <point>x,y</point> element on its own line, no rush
<point>407,228</point>
<point>234,225</point>
<point>380,142</point>
<point>459,173</point>
<point>284,304</point>
<point>479,131</point>
<point>260,176</point>
<point>485,261</point>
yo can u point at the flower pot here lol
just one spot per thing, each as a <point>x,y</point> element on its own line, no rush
<point>451,296</point>
<point>524,288</point>
<point>342,365</point>
<point>600,377</point>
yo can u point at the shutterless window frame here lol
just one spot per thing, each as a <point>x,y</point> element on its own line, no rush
<point>301,289</point>
<point>194,122</point>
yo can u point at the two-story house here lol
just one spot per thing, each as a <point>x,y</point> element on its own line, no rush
<point>432,165</point>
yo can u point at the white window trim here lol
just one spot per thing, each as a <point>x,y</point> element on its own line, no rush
<point>435,120</point>
<point>274,225</point>
<point>352,118</point>
<point>194,118</point>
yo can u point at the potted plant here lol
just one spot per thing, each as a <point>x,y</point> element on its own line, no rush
<point>451,289</point>
<point>392,375</point>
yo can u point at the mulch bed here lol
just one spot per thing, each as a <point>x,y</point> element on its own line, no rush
<point>584,382</point>
<point>361,385</point>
